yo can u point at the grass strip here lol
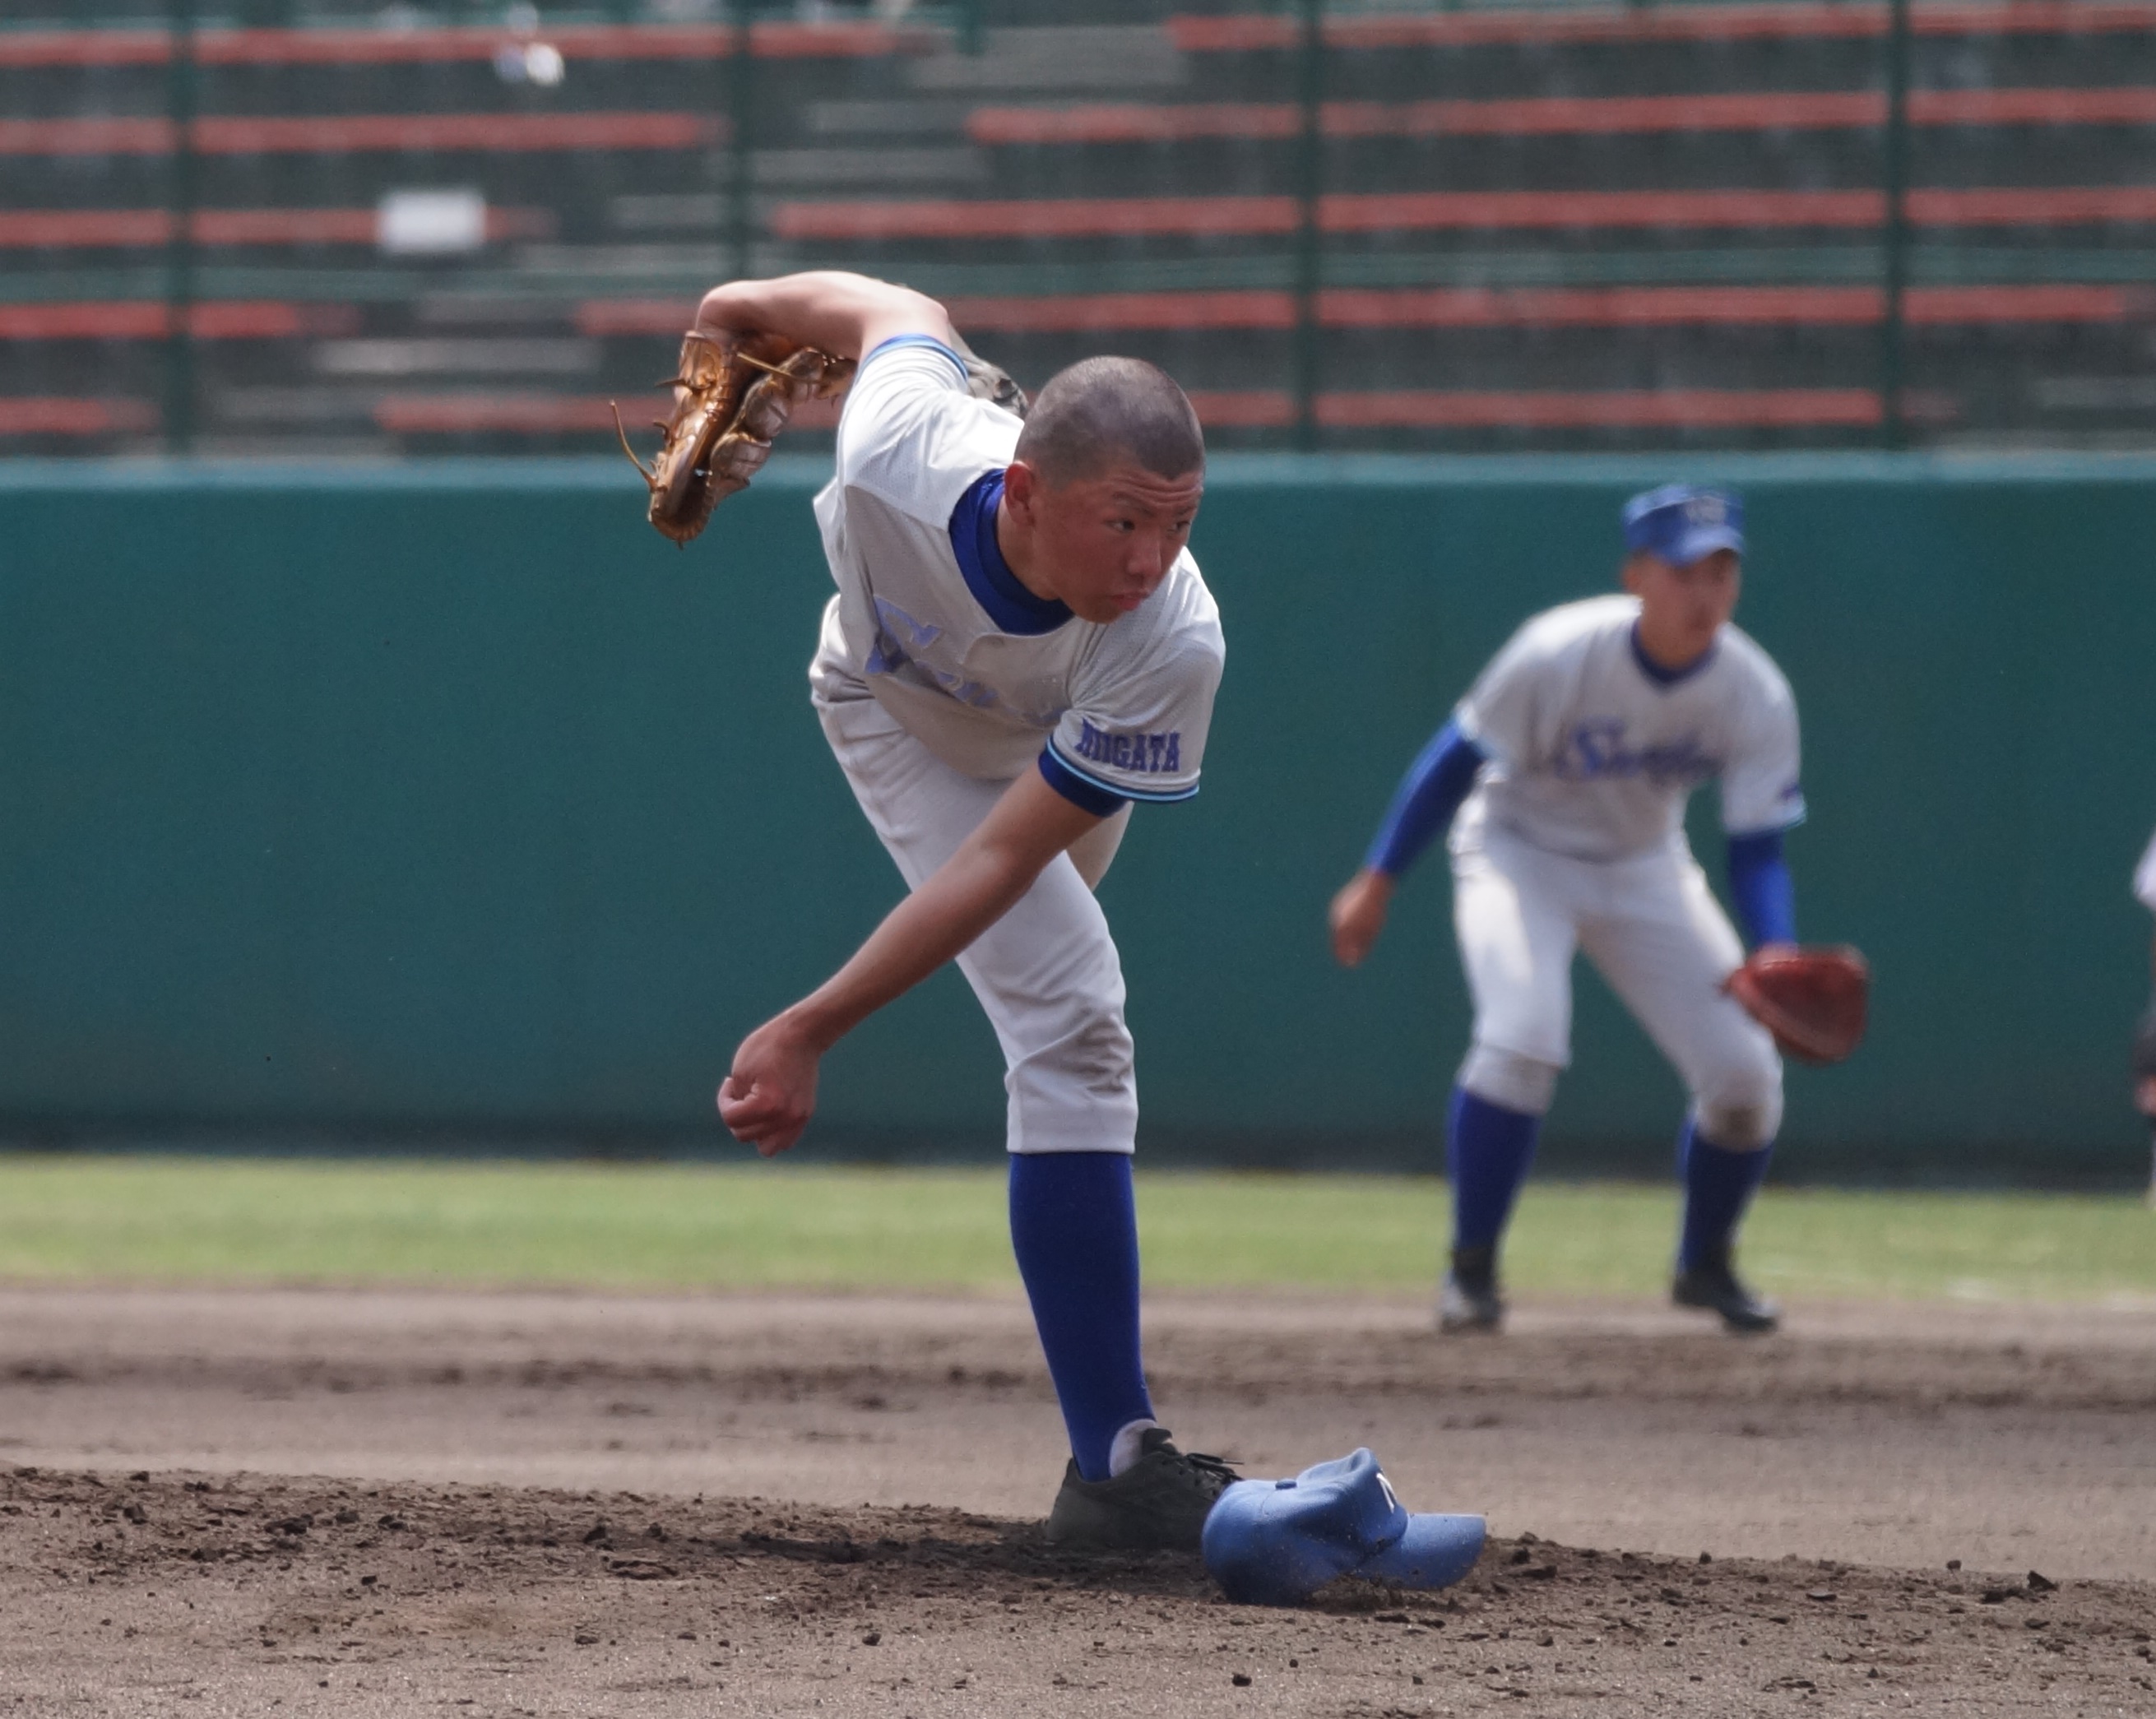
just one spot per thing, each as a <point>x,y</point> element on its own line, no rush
<point>671,1226</point>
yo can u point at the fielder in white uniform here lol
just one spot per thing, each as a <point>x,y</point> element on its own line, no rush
<point>1021,648</point>
<point>1567,766</point>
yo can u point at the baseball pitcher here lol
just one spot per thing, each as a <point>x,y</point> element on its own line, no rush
<point>1021,648</point>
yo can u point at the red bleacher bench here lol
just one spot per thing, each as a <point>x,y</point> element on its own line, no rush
<point>345,134</point>
<point>62,229</point>
<point>1682,409</point>
<point>1644,408</point>
<point>1560,116</point>
<point>389,46</point>
<point>1386,212</point>
<point>1529,409</point>
<point>1340,308</point>
<point>63,415</point>
<point>535,413</point>
<point>1477,307</point>
<point>1248,33</point>
<point>151,319</point>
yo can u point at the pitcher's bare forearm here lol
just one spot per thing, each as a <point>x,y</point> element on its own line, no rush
<point>771,1093</point>
<point>969,892</point>
<point>846,315</point>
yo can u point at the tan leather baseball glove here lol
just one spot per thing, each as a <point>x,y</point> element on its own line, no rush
<point>732,397</point>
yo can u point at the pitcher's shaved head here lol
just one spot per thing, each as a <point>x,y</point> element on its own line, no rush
<point>1101,410</point>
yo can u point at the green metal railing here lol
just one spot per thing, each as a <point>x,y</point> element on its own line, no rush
<point>180,85</point>
<point>1894,243</point>
<point>1310,236</point>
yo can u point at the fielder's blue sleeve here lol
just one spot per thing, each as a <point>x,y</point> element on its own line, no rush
<point>1428,797</point>
<point>1760,885</point>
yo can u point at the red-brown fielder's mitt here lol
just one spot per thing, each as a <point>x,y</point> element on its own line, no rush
<point>1812,1000</point>
<point>731,399</point>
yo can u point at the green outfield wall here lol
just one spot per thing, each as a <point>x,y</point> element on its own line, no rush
<point>449,803</point>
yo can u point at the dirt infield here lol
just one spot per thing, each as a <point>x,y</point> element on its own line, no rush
<point>378,1503</point>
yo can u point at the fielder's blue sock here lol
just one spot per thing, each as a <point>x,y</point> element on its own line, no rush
<point>1489,1148</point>
<point>1074,1230</point>
<point>1719,1186</point>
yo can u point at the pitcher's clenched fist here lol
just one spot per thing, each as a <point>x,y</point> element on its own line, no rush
<point>768,1100</point>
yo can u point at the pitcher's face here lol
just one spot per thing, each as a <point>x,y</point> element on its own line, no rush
<point>1102,545</point>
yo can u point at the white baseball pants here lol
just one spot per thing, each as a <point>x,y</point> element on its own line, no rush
<point>1047,972</point>
<point>1653,929</point>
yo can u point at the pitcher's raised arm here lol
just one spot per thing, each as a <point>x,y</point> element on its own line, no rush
<point>844,314</point>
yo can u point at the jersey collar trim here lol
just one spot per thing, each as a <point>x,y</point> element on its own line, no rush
<point>1666,678</point>
<point>988,575</point>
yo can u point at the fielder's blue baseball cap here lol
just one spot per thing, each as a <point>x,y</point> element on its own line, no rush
<point>1683,523</point>
<point>1277,1542</point>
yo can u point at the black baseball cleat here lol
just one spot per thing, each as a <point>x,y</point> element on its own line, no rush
<point>1471,1300</point>
<point>1712,1285</point>
<point>1158,1504</point>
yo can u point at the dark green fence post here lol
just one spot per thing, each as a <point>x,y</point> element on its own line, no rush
<point>1894,236</point>
<point>180,94</point>
<point>741,100</point>
<point>1309,239</point>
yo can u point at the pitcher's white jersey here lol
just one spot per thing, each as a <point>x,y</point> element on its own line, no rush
<point>930,621</point>
<point>2144,879</point>
<point>1593,750</point>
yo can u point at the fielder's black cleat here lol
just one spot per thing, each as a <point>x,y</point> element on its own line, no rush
<point>1471,1300</point>
<point>1158,1504</point>
<point>1713,1286</point>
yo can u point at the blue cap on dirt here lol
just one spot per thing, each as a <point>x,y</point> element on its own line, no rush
<point>1682,523</point>
<point>1277,1542</point>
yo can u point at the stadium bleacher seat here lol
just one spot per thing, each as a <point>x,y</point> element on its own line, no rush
<point>1557,116</point>
<point>1542,225</point>
<point>1398,212</point>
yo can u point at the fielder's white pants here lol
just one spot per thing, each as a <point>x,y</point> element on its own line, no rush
<point>1047,972</point>
<point>1653,929</point>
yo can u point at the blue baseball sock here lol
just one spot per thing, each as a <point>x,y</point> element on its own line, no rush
<point>1490,1150</point>
<point>1074,1230</point>
<point>1718,1185</point>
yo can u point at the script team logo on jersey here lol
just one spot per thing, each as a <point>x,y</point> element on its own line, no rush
<point>1595,751</point>
<point>1155,754</point>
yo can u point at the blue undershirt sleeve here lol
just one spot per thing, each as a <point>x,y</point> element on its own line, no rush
<point>1760,885</point>
<point>1428,797</point>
